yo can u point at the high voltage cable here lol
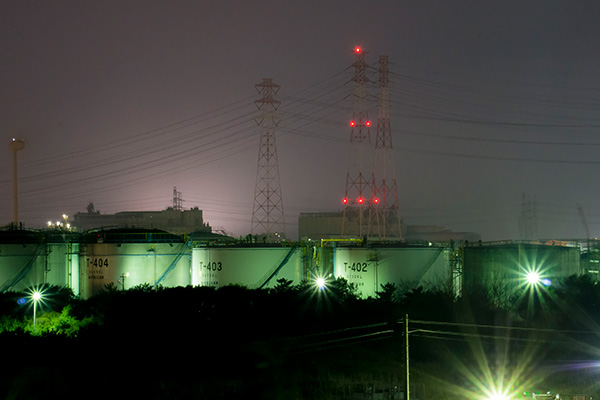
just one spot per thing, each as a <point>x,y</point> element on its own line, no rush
<point>435,334</point>
<point>497,158</point>
<point>502,82</point>
<point>514,328</point>
<point>495,95</point>
<point>447,116</point>
<point>136,179</point>
<point>478,91</point>
<point>459,119</point>
<point>426,333</point>
<point>510,141</point>
<point>152,132</point>
<point>186,149</point>
<point>497,103</point>
<point>343,330</point>
<point>482,336</point>
<point>400,148</point>
<point>357,339</point>
<point>157,131</point>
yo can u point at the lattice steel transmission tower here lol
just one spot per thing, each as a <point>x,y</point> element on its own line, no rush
<point>177,200</point>
<point>267,215</point>
<point>384,221</point>
<point>528,218</point>
<point>359,177</point>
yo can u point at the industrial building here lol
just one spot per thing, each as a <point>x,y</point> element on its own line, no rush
<point>316,226</point>
<point>172,219</point>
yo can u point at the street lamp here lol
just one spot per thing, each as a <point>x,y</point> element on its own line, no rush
<point>122,280</point>
<point>36,296</point>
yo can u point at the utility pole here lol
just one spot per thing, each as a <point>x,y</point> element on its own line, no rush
<point>407,397</point>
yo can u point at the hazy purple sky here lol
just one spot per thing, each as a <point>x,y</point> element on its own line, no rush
<point>119,101</point>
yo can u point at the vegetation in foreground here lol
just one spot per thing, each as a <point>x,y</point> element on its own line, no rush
<point>297,341</point>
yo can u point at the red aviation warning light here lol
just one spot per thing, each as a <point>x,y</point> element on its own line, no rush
<point>360,200</point>
<point>353,123</point>
<point>368,123</point>
<point>345,200</point>
<point>358,50</point>
<point>375,200</point>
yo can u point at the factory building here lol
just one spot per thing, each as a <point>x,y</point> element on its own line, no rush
<point>317,226</point>
<point>172,219</point>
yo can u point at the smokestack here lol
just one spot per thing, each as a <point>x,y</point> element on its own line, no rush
<point>16,145</point>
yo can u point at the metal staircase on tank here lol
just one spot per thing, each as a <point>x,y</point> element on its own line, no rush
<point>269,275</point>
<point>24,271</point>
<point>185,247</point>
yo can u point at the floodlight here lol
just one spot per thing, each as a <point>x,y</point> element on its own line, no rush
<point>533,277</point>
<point>321,283</point>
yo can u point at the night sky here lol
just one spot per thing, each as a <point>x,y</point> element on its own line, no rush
<point>120,101</point>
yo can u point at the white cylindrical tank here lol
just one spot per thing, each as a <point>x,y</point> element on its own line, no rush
<point>32,264</point>
<point>253,267</point>
<point>407,267</point>
<point>131,264</point>
<point>21,266</point>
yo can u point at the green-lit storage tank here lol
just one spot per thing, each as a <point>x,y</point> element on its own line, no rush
<point>253,267</point>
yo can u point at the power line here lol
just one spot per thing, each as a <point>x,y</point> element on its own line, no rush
<point>516,328</point>
<point>497,158</point>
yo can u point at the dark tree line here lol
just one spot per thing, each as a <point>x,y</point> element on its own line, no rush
<point>292,339</point>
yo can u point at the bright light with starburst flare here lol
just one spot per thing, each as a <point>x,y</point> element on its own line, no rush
<point>320,283</point>
<point>497,396</point>
<point>533,278</point>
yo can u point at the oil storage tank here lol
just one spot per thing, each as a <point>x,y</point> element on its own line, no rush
<point>506,266</point>
<point>407,267</point>
<point>130,257</point>
<point>30,259</point>
<point>251,266</point>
